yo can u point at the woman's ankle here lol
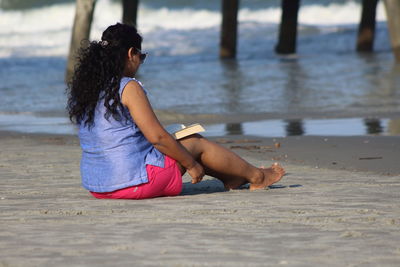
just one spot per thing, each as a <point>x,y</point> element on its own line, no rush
<point>257,177</point>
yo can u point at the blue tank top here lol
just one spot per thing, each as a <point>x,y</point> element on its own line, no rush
<point>115,153</point>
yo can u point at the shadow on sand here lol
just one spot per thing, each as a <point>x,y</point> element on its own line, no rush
<point>215,186</point>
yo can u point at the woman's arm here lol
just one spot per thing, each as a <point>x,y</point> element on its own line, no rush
<point>135,99</point>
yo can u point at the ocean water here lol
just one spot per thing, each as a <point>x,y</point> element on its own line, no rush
<point>325,79</point>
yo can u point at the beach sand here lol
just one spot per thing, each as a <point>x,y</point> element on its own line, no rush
<point>338,205</point>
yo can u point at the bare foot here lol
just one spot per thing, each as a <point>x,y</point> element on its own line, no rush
<point>271,175</point>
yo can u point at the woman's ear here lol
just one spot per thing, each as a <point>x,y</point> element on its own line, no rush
<point>131,53</point>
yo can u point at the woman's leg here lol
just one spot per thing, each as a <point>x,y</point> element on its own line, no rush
<point>231,169</point>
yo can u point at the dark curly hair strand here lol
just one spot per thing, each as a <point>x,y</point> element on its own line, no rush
<point>98,73</point>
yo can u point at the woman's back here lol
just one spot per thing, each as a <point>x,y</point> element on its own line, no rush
<point>115,152</point>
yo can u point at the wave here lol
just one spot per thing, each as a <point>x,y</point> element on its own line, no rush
<point>46,31</point>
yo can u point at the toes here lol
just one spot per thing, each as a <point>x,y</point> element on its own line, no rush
<point>275,167</point>
<point>278,168</point>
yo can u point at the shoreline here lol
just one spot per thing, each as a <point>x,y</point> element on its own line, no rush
<point>262,124</point>
<point>169,117</point>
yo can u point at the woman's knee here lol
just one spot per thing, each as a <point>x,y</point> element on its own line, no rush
<point>193,136</point>
<point>193,143</point>
<point>192,139</point>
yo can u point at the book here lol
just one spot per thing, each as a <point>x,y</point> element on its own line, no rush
<point>180,130</point>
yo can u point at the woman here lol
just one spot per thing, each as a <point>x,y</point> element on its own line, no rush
<point>126,152</point>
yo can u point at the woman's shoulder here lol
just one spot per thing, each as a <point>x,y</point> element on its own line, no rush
<point>124,82</point>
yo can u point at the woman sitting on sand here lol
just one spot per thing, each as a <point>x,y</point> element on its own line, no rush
<point>126,152</point>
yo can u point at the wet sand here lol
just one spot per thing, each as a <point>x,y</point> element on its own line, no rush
<point>338,214</point>
<point>376,154</point>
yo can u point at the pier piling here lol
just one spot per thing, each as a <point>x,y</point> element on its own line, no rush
<point>229,28</point>
<point>129,12</point>
<point>288,27</point>
<point>393,21</point>
<point>228,40</point>
<point>80,31</point>
<point>366,29</point>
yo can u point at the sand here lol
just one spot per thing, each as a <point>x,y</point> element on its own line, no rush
<point>343,214</point>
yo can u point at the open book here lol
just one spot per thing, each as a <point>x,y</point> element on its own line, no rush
<point>180,130</point>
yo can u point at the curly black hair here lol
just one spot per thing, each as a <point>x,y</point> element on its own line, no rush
<point>98,73</point>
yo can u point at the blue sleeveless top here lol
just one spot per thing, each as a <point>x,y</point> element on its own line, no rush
<point>115,153</point>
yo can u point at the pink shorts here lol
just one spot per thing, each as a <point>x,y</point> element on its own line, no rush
<point>165,181</point>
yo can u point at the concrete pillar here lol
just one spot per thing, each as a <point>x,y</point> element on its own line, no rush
<point>288,28</point>
<point>80,31</point>
<point>229,26</point>
<point>393,21</point>
<point>366,29</point>
<point>294,127</point>
<point>373,126</point>
<point>129,12</point>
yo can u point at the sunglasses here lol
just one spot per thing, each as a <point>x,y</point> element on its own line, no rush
<point>142,56</point>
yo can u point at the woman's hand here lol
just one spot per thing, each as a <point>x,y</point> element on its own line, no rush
<point>196,172</point>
